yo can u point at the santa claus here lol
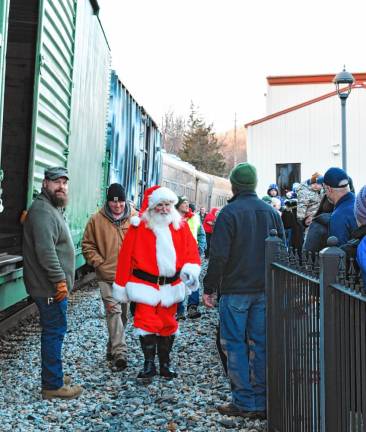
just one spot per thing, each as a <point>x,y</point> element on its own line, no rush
<point>158,263</point>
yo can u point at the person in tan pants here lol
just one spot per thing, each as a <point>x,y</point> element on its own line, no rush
<point>103,238</point>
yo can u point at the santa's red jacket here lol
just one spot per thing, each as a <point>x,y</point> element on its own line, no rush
<point>163,251</point>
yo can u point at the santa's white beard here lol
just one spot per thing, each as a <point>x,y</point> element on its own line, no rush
<point>156,220</point>
<point>165,251</point>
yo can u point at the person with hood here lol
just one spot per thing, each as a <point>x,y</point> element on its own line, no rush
<point>309,195</point>
<point>208,226</point>
<point>195,225</point>
<point>103,238</point>
<point>157,264</point>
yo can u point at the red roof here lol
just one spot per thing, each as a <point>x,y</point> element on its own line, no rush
<point>309,79</point>
<point>306,103</point>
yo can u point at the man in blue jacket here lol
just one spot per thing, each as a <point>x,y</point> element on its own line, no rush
<point>236,271</point>
<point>342,221</point>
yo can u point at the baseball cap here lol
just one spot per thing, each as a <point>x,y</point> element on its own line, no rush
<point>336,178</point>
<point>55,173</point>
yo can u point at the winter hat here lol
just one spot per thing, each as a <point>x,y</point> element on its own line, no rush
<point>116,192</point>
<point>155,195</point>
<point>267,199</point>
<point>273,186</point>
<point>336,178</point>
<point>360,206</point>
<point>314,177</point>
<point>244,177</point>
<point>181,199</point>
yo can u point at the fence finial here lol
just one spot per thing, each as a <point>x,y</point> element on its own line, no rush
<point>273,233</point>
<point>332,241</point>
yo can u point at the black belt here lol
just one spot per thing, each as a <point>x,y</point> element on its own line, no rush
<point>160,280</point>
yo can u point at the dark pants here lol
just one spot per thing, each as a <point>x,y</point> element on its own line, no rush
<point>54,324</point>
<point>208,242</point>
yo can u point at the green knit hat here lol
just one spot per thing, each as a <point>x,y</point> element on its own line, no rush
<point>244,177</point>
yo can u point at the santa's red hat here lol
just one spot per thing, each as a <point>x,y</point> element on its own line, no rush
<point>155,195</point>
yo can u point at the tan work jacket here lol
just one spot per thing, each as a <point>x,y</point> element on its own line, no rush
<point>101,243</point>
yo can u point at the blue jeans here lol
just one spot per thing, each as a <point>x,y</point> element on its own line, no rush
<point>54,324</point>
<point>243,318</point>
<point>193,299</point>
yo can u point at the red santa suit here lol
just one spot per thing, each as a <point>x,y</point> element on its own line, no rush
<point>155,264</point>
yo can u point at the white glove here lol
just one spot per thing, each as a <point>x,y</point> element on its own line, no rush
<point>190,281</point>
<point>119,293</point>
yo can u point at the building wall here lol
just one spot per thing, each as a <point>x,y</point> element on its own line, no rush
<point>283,96</point>
<point>311,136</point>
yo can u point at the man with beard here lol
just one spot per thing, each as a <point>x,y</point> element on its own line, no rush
<point>103,237</point>
<point>49,267</point>
<point>158,258</point>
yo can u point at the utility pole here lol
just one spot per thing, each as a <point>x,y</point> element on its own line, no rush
<point>235,158</point>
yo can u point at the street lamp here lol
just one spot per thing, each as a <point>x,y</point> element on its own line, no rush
<point>346,78</point>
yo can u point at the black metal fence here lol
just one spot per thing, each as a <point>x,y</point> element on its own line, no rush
<point>316,341</point>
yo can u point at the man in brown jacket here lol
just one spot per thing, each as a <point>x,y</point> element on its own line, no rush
<point>102,241</point>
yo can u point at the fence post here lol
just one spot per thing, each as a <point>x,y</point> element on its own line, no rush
<point>272,247</point>
<point>329,265</point>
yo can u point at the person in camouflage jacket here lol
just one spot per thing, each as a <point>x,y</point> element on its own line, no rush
<point>309,195</point>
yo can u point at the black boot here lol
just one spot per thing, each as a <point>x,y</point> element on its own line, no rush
<point>165,344</point>
<point>148,345</point>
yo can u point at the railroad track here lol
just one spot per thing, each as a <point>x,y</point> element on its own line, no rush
<point>11,318</point>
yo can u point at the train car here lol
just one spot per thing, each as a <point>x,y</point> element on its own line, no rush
<point>57,66</point>
<point>179,176</point>
<point>205,190</point>
<point>133,145</point>
<point>221,191</point>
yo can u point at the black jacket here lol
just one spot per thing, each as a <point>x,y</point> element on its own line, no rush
<point>236,263</point>
<point>317,236</point>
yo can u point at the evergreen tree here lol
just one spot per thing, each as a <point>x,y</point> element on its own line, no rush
<point>201,147</point>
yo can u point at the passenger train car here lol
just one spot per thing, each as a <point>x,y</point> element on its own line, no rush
<point>204,190</point>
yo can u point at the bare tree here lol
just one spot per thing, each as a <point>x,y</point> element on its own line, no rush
<point>173,128</point>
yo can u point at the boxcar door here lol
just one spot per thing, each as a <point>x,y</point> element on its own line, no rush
<point>52,92</point>
<point>4,13</point>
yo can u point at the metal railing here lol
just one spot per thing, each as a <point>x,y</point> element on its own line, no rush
<point>316,341</point>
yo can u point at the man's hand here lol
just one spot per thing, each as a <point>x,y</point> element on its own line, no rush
<point>61,291</point>
<point>209,300</point>
<point>308,220</point>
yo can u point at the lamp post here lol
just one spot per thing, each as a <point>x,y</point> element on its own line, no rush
<point>346,78</point>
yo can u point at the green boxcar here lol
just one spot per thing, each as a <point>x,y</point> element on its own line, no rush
<point>55,113</point>
<point>89,118</point>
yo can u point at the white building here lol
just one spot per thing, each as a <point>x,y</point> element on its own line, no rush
<point>301,133</point>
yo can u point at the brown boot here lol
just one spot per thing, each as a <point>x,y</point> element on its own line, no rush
<point>64,392</point>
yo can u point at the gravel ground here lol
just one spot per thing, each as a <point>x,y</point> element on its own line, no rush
<point>112,400</point>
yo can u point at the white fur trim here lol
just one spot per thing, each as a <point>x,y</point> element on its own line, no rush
<point>167,294</point>
<point>135,220</point>
<point>190,275</point>
<point>142,293</point>
<point>165,252</point>
<point>162,194</point>
<point>119,293</point>
<point>170,294</point>
<point>141,332</point>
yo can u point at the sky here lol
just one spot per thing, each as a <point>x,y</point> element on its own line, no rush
<point>218,53</point>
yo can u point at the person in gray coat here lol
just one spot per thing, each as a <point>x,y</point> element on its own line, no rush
<point>49,267</point>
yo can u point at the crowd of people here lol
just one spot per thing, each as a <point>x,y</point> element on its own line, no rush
<point>149,261</point>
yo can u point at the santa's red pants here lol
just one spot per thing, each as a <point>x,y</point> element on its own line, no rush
<point>156,319</point>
